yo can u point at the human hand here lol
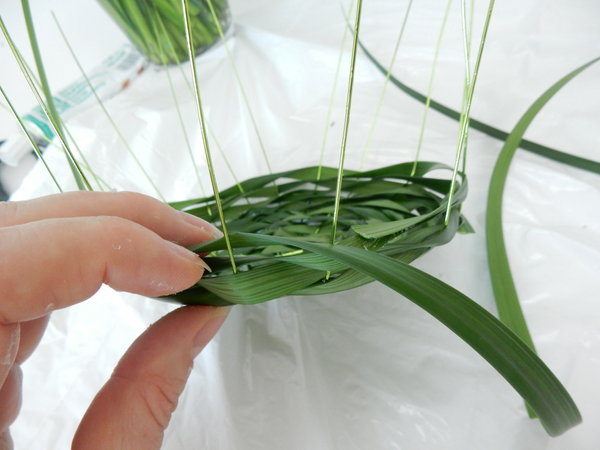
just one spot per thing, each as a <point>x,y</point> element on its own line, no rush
<point>57,251</point>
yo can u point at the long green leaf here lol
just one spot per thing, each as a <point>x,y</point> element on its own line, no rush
<point>49,108</point>
<point>507,300</point>
<point>346,121</point>
<point>213,181</point>
<point>495,342</point>
<point>35,147</point>
<point>533,147</point>
<point>53,118</point>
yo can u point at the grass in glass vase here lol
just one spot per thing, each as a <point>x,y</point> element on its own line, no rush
<point>157,28</point>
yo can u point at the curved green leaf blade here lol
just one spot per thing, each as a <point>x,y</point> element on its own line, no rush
<point>505,293</point>
<point>495,342</point>
<point>533,147</point>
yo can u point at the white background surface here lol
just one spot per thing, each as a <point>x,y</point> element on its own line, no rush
<point>363,369</point>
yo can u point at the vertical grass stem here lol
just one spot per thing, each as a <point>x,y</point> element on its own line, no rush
<point>465,122</point>
<point>333,89</point>
<point>211,170</point>
<point>49,108</point>
<point>38,152</point>
<point>385,83</point>
<point>430,89</point>
<point>338,193</point>
<point>108,116</point>
<point>239,82</point>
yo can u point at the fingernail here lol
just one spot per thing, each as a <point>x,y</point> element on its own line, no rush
<point>189,255</point>
<point>208,331</point>
<point>209,228</point>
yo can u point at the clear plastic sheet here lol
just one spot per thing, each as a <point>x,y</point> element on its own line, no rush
<point>364,369</point>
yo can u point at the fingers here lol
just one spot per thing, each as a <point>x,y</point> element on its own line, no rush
<point>54,263</point>
<point>10,399</point>
<point>9,346</point>
<point>58,250</point>
<point>134,407</point>
<point>31,334</point>
<point>179,227</point>
<point>17,341</point>
<point>6,442</point>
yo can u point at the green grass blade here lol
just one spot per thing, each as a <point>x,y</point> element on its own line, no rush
<point>507,300</point>
<point>190,40</point>
<point>533,147</point>
<point>106,113</point>
<point>431,80</point>
<point>49,108</point>
<point>493,340</point>
<point>242,287</point>
<point>239,83</point>
<point>38,152</point>
<point>334,89</point>
<point>346,120</point>
<point>162,33</point>
<point>170,46</point>
<point>464,122</point>
<point>385,84</point>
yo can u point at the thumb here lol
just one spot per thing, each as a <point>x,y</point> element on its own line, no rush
<point>134,407</point>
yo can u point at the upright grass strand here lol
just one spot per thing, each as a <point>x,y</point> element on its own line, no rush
<point>102,185</point>
<point>37,150</point>
<point>466,31</point>
<point>431,81</point>
<point>466,39</point>
<point>333,90</point>
<point>211,170</point>
<point>80,178</point>
<point>336,210</point>
<point>240,84</point>
<point>52,113</point>
<point>31,72</point>
<point>49,141</point>
<point>106,113</point>
<point>385,83</point>
<point>465,124</point>
<point>63,126</point>
<point>462,139</point>
<point>210,130</point>
<point>530,146</point>
<point>161,52</point>
<point>183,130</point>
<point>222,153</point>
<point>469,35</point>
<point>83,158</point>
<point>84,162</point>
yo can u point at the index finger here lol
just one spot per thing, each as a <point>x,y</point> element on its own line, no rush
<point>172,225</point>
<point>54,263</point>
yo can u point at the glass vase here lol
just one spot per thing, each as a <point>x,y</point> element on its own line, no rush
<point>157,27</point>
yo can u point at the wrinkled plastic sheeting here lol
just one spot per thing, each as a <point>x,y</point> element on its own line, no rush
<point>363,369</point>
